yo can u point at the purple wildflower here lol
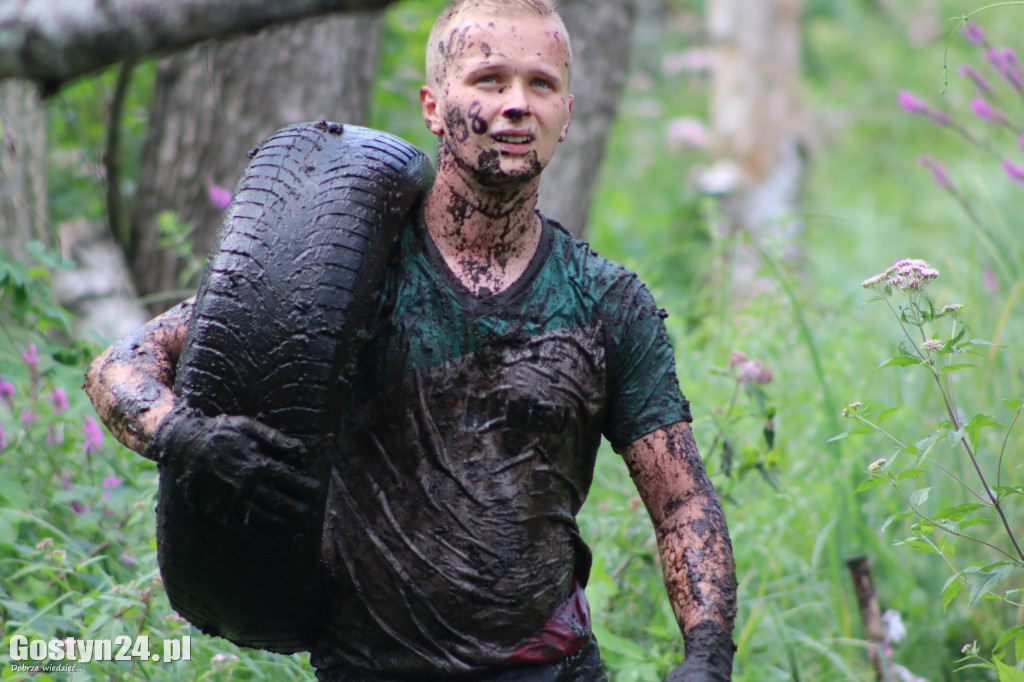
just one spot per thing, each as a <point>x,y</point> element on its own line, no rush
<point>110,482</point>
<point>93,435</point>
<point>938,170</point>
<point>128,559</point>
<point>27,416</point>
<point>736,357</point>
<point>3,438</point>
<point>1014,170</point>
<point>219,197</point>
<point>753,372</point>
<point>912,103</point>
<point>985,111</point>
<point>79,508</point>
<point>990,282</point>
<point>66,482</point>
<point>1005,62</point>
<point>980,81</point>
<point>31,356</point>
<point>59,399</point>
<point>973,32</point>
<point>6,390</point>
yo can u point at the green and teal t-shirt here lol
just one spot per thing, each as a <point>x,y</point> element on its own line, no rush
<point>469,449</point>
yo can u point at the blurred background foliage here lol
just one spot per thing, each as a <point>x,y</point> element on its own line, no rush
<point>792,509</point>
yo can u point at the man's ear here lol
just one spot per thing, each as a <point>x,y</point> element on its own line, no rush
<point>568,117</point>
<point>431,116</point>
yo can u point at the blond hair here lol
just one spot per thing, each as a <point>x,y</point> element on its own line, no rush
<point>438,51</point>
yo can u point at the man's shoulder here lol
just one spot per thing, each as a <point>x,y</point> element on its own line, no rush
<point>587,266</point>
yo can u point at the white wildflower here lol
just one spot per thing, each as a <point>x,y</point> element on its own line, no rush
<point>932,345</point>
<point>223,659</point>
<point>911,275</point>
<point>874,282</point>
<point>876,466</point>
<point>895,631</point>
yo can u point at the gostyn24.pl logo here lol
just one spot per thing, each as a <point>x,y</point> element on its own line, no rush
<point>31,653</point>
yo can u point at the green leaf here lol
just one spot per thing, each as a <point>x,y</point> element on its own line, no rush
<point>959,511</point>
<point>1008,673</point>
<point>919,546</point>
<point>919,497</point>
<point>953,368</point>
<point>871,483</point>
<point>908,473</point>
<point>895,517</point>
<point>886,413</point>
<point>950,590</point>
<point>1006,491</point>
<point>983,342</point>
<point>901,361</point>
<point>8,532</point>
<point>1015,633</point>
<point>982,582</point>
<point>619,645</point>
<point>13,491</point>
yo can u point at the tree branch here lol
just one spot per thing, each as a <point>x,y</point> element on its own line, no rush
<point>52,41</point>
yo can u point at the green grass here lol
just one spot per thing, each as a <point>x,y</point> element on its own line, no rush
<point>867,202</point>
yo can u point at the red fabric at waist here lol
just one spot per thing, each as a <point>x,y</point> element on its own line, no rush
<point>566,631</point>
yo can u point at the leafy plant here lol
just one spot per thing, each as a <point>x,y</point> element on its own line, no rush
<point>936,341</point>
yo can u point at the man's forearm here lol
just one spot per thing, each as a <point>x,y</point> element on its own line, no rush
<point>130,383</point>
<point>697,561</point>
<point>693,539</point>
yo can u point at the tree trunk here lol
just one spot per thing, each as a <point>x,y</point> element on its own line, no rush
<point>600,33</point>
<point>52,41</point>
<point>24,214</point>
<point>755,118</point>
<point>215,102</point>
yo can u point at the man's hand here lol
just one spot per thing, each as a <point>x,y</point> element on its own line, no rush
<point>709,651</point>
<point>240,472</point>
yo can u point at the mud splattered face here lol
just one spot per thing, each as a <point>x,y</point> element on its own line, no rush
<point>502,105</point>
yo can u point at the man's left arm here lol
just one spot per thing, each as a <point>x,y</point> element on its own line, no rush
<point>693,540</point>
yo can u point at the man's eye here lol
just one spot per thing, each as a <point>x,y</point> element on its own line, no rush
<point>541,83</point>
<point>487,79</point>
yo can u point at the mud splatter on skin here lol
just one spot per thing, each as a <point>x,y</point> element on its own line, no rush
<point>696,551</point>
<point>483,261</point>
<point>130,382</point>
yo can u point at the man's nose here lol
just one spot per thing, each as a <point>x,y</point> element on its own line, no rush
<point>517,103</point>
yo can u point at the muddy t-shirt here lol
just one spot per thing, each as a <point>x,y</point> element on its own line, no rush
<point>450,530</point>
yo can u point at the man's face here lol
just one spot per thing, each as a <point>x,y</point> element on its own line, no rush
<point>503,104</point>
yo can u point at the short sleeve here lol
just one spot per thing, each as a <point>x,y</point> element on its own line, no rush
<point>643,391</point>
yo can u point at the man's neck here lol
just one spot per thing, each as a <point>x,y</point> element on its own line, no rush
<point>487,235</point>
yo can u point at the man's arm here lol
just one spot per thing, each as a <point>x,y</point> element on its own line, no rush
<point>130,383</point>
<point>693,540</point>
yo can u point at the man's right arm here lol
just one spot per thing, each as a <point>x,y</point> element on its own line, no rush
<point>130,383</point>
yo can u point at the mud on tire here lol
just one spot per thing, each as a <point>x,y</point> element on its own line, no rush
<point>298,258</point>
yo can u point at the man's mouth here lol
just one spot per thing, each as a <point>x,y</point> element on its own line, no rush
<point>513,139</point>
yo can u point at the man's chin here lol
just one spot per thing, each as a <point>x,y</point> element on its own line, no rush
<point>508,170</point>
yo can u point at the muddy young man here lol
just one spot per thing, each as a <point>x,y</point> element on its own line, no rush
<point>502,349</point>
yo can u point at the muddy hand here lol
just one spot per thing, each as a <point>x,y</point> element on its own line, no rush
<point>239,472</point>
<point>709,652</point>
